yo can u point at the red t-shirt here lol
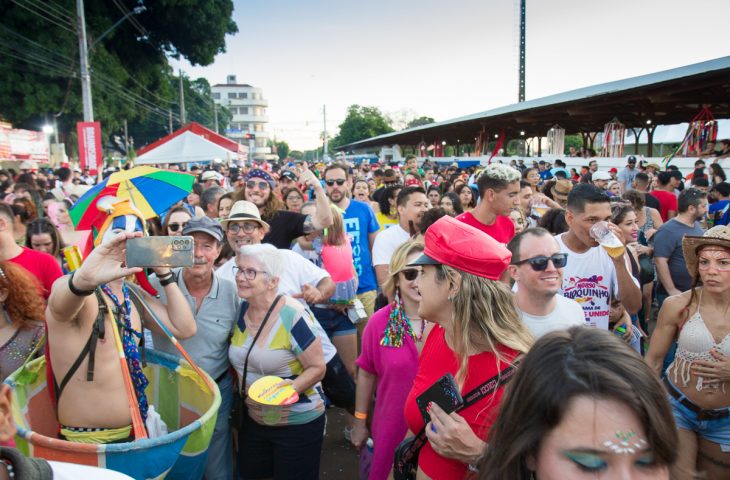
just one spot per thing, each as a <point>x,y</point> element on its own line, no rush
<point>667,202</point>
<point>502,230</point>
<point>436,360</point>
<point>42,265</point>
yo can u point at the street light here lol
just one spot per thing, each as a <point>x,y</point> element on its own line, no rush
<point>47,129</point>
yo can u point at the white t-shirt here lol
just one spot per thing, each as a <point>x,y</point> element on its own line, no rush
<point>386,242</point>
<point>590,279</point>
<point>298,271</point>
<point>567,313</point>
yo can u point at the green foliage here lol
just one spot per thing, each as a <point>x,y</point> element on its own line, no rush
<point>296,154</point>
<point>131,79</point>
<point>417,122</point>
<point>282,148</point>
<point>575,141</point>
<point>361,123</point>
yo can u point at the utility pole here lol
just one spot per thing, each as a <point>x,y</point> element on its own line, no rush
<point>126,138</point>
<point>215,116</point>
<point>521,94</point>
<point>170,119</point>
<point>325,154</point>
<point>182,99</point>
<point>84,63</point>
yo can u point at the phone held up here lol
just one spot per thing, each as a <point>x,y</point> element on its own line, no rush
<point>444,393</point>
<point>160,252</point>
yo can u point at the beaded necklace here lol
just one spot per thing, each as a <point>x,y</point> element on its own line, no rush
<point>399,325</point>
<point>129,345</point>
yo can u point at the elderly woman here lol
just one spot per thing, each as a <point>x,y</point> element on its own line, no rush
<point>391,343</point>
<point>478,335</point>
<point>274,336</point>
<point>582,406</point>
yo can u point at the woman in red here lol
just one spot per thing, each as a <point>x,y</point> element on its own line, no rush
<point>478,334</point>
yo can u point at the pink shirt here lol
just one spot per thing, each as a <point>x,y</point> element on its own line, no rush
<point>395,369</point>
<point>337,260</point>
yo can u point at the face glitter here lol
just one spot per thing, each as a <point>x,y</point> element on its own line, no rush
<point>625,442</point>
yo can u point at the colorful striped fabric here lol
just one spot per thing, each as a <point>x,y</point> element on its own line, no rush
<point>187,403</point>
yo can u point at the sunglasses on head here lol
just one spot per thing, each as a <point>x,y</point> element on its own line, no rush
<point>540,262</point>
<point>410,274</point>
<point>339,182</point>
<point>253,184</point>
<point>174,227</point>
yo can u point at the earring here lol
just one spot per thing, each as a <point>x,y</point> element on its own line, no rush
<point>450,298</point>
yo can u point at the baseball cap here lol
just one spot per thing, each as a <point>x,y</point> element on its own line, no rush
<point>613,170</point>
<point>205,225</point>
<point>210,175</point>
<point>601,175</point>
<point>631,159</point>
<point>463,247</point>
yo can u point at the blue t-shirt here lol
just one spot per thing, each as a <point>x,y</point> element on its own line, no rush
<point>360,221</point>
<point>668,244</point>
<point>719,212</point>
<point>545,175</point>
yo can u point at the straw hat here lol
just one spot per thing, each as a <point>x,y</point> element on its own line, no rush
<point>561,189</point>
<point>242,211</point>
<point>718,235</point>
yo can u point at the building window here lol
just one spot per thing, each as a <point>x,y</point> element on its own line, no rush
<point>234,110</point>
<point>244,110</point>
<point>216,96</point>
<point>243,95</point>
<point>259,127</point>
<point>231,95</point>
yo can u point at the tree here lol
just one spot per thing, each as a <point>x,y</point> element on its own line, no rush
<point>417,122</point>
<point>296,154</point>
<point>282,148</point>
<point>361,123</point>
<point>131,78</point>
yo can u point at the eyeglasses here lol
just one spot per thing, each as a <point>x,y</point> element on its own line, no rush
<point>540,262</point>
<point>261,185</point>
<point>174,227</point>
<point>250,227</point>
<point>248,273</point>
<point>410,274</point>
<point>340,182</point>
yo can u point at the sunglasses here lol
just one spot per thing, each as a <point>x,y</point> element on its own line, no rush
<point>174,227</point>
<point>261,185</point>
<point>410,274</point>
<point>234,228</point>
<point>340,182</point>
<point>540,262</point>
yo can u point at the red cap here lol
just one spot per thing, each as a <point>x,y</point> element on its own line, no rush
<point>463,247</point>
<point>413,182</point>
<point>614,170</point>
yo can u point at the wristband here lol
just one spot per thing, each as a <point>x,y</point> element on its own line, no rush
<point>167,280</point>
<point>164,277</point>
<point>76,291</point>
<point>361,415</point>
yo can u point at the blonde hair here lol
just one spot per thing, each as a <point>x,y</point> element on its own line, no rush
<point>397,262</point>
<point>484,317</point>
<point>335,233</point>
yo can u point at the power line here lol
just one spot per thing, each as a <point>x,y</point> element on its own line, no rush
<point>42,13</point>
<point>135,23</point>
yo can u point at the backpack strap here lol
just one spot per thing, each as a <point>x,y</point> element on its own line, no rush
<point>97,332</point>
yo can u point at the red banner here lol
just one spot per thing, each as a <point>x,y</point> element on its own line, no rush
<point>90,155</point>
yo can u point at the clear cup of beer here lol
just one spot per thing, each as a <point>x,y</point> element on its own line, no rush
<point>607,239</point>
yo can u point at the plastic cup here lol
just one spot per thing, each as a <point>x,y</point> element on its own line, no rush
<point>606,238</point>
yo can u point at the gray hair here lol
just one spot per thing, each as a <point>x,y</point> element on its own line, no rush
<point>210,196</point>
<point>267,255</point>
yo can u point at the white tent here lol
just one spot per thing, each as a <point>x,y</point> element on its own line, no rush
<point>186,147</point>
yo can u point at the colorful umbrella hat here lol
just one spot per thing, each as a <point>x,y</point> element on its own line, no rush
<point>151,190</point>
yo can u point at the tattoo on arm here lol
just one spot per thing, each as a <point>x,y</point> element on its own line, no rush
<point>309,225</point>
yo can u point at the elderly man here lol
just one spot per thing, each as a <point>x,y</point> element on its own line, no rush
<point>215,303</point>
<point>285,226</point>
<point>89,388</point>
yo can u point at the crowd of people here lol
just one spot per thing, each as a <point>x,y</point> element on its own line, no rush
<point>500,321</point>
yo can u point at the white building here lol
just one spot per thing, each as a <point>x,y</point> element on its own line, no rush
<point>248,106</point>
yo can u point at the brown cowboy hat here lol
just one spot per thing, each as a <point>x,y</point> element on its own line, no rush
<point>561,189</point>
<point>718,236</point>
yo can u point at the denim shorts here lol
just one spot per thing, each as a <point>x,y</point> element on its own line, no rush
<point>334,322</point>
<point>715,431</point>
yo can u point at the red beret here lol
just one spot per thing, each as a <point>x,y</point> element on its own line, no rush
<point>463,247</point>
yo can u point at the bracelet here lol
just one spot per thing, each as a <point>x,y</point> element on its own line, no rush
<point>361,415</point>
<point>167,280</point>
<point>76,291</point>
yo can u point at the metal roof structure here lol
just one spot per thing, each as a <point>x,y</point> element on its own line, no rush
<point>664,98</point>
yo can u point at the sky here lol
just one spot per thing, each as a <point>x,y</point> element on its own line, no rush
<point>448,59</point>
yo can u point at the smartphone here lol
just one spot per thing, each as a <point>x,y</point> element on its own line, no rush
<point>160,252</point>
<point>444,393</point>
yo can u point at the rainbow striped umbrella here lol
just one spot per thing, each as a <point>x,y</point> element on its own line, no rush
<point>151,190</point>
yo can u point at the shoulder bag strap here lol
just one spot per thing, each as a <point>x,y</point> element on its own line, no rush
<point>255,339</point>
<point>486,388</point>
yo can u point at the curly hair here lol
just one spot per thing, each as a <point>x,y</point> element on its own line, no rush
<point>24,305</point>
